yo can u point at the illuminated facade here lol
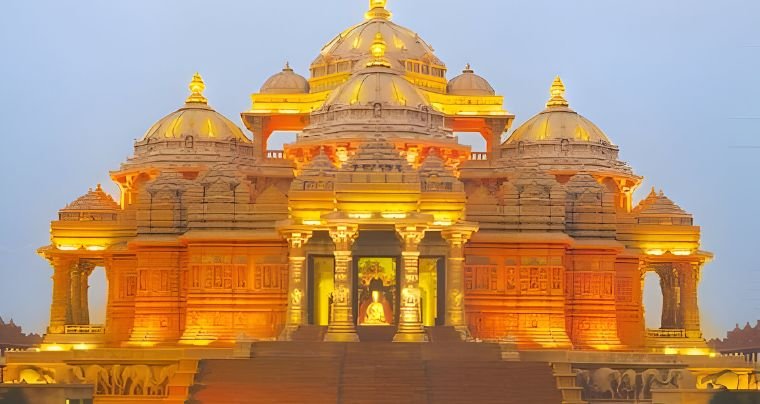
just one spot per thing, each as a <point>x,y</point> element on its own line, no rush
<point>376,207</point>
<point>374,218</point>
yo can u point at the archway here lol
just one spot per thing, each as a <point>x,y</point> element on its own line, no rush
<point>652,300</point>
<point>97,296</point>
<point>278,139</point>
<point>475,140</point>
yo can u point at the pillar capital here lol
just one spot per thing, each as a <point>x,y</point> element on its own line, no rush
<point>343,235</point>
<point>297,239</point>
<point>459,234</point>
<point>411,235</point>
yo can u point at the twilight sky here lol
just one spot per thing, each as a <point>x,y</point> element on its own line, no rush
<point>676,84</point>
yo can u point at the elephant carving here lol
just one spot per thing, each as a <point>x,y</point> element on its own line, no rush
<point>651,378</point>
<point>628,384</point>
<point>606,381</point>
<point>159,385</point>
<point>93,374</point>
<point>682,379</point>
<point>137,379</point>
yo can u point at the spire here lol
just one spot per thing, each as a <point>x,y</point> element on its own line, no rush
<point>377,10</point>
<point>378,52</point>
<point>468,69</point>
<point>196,89</point>
<point>558,94</point>
<point>287,67</point>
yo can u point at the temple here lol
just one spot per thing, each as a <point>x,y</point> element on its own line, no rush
<point>376,223</point>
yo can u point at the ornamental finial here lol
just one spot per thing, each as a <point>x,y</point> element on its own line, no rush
<point>196,90</point>
<point>558,94</point>
<point>378,52</point>
<point>377,10</point>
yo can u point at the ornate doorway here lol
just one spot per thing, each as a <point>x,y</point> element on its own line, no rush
<point>321,280</point>
<point>376,291</point>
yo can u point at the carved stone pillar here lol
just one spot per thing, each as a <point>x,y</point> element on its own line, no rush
<point>689,277</point>
<point>410,327</point>
<point>60,308</point>
<point>670,297</point>
<point>455,310</point>
<point>85,269</point>
<point>76,294</point>
<point>296,282</point>
<point>341,327</point>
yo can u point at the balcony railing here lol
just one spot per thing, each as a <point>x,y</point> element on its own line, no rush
<point>479,156</point>
<point>666,333</point>
<point>84,329</point>
<point>275,154</point>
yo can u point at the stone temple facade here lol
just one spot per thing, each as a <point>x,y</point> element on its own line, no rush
<point>376,215</point>
<point>237,273</point>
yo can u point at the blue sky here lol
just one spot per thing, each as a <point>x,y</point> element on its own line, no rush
<point>676,84</point>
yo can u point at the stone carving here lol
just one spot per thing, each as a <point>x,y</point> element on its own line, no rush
<point>457,298</point>
<point>410,296</point>
<point>295,297</point>
<point>628,384</point>
<point>122,380</point>
<point>730,379</point>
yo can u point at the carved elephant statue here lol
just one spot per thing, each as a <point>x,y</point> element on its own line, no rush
<point>651,378</point>
<point>93,374</point>
<point>583,379</point>
<point>137,379</point>
<point>605,382</point>
<point>628,384</point>
<point>159,385</point>
<point>682,379</point>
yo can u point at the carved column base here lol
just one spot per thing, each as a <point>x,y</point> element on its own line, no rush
<point>341,328</point>
<point>342,335</point>
<point>410,329</point>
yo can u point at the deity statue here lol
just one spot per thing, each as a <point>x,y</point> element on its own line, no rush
<point>375,311</point>
<point>296,296</point>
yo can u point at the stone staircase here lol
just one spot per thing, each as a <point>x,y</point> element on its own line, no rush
<point>374,372</point>
<point>309,333</point>
<point>443,334</point>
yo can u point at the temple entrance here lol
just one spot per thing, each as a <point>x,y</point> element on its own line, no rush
<point>376,291</point>
<point>321,278</point>
<point>432,280</point>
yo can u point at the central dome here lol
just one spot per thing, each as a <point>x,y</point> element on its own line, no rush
<point>406,50</point>
<point>377,85</point>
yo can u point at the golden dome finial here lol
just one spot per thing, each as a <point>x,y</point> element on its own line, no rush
<point>378,52</point>
<point>196,90</point>
<point>468,69</point>
<point>558,94</point>
<point>377,10</point>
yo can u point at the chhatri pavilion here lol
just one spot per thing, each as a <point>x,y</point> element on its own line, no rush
<point>376,223</point>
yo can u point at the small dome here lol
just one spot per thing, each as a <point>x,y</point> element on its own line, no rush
<point>557,122</point>
<point>657,208</point>
<point>197,119</point>
<point>285,82</point>
<point>470,84</point>
<point>376,84</point>
<point>93,200</point>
